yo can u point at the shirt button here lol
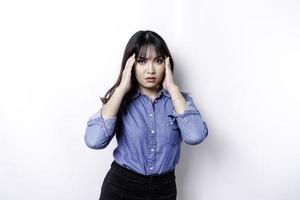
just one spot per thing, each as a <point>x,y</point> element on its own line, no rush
<point>171,122</point>
<point>152,150</point>
<point>155,101</point>
<point>151,115</point>
<point>152,131</point>
<point>151,168</point>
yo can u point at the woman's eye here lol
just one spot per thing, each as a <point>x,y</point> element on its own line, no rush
<point>159,61</point>
<point>141,61</point>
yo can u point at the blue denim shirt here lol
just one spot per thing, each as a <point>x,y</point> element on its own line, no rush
<point>149,134</point>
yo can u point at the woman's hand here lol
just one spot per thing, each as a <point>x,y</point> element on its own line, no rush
<point>168,82</point>
<point>125,84</point>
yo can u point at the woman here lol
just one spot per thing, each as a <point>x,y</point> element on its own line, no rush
<point>150,117</point>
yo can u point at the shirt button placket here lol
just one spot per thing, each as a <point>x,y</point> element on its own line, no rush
<point>152,142</point>
<point>152,154</point>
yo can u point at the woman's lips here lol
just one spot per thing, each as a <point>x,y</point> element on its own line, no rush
<point>151,80</point>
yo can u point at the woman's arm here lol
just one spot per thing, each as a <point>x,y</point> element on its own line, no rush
<point>177,99</point>
<point>193,129</point>
<point>101,126</point>
<point>111,108</point>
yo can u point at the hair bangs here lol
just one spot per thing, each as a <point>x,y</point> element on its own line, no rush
<point>151,51</point>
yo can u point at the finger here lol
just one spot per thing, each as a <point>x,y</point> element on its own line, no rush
<point>130,61</point>
<point>166,59</point>
<point>167,62</point>
<point>132,58</point>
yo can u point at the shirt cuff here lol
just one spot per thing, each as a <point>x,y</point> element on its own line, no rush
<point>190,107</point>
<point>108,124</point>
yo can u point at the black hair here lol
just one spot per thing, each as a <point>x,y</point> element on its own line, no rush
<point>138,44</point>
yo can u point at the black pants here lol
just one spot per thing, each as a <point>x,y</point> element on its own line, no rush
<point>121,183</point>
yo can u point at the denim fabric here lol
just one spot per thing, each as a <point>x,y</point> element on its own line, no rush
<point>149,132</point>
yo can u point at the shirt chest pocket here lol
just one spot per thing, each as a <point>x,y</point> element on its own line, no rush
<point>173,131</point>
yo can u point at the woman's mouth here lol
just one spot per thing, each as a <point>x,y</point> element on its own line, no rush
<point>150,80</point>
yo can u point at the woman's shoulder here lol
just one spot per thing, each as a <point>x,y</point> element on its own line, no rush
<point>186,94</point>
<point>183,92</point>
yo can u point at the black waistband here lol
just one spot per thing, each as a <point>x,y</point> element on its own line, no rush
<point>127,172</point>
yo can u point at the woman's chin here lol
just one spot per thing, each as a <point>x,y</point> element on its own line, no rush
<point>151,85</point>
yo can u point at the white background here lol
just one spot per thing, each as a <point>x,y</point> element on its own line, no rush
<point>239,59</point>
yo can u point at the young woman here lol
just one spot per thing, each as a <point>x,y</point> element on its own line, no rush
<point>150,117</point>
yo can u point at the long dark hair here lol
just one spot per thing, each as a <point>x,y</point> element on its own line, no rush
<point>136,45</point>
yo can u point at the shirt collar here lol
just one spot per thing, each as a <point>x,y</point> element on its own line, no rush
<point>137,92</point>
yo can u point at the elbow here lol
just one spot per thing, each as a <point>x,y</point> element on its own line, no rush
<point>92,141</point>
<point>195,140</point>
<point>94,145</point>
<point>198,137</point>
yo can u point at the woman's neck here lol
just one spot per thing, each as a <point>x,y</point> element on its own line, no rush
<point>150,92</point>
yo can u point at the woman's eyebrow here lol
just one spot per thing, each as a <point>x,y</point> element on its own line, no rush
<point>141,57</point>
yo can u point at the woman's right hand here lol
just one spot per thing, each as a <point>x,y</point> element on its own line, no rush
<point>125,84</point>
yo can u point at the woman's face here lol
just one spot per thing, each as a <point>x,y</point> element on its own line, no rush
<point>150,66</point>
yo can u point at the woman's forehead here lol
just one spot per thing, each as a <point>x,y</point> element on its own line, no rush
<point>148,51</point>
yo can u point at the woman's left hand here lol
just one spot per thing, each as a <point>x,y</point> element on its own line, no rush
<point>168,82</point>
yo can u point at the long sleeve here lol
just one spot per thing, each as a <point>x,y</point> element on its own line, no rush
<point>99,131</point>
<point>192,127</point>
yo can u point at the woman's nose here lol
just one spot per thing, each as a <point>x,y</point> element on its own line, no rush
<point>150,68</point>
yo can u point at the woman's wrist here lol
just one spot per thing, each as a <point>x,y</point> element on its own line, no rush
<point>120,90</point>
